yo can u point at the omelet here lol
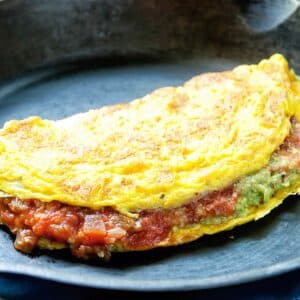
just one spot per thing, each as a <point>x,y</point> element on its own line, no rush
<point>221,150</point>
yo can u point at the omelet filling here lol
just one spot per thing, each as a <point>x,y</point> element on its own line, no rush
<point>260,187</point>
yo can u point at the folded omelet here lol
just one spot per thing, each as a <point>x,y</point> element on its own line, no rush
<point>221,150</point>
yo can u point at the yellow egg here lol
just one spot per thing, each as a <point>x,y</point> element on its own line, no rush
<point>176,141</point>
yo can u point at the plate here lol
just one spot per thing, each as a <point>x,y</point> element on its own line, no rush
<point>253,251</point>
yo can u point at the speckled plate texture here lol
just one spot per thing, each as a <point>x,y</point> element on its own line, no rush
<point>62,57</point>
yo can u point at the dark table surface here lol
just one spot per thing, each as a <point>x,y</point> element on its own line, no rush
<point>286,286</point>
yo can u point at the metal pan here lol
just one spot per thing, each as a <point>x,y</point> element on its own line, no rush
<point>64,57</point>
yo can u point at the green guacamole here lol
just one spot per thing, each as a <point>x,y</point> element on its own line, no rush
<point>260,187</point>
<point>256,189</point>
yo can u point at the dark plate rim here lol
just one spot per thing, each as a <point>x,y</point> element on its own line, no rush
<point>107,282</point>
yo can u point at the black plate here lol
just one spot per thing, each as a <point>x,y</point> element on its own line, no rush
<point>257,250</point>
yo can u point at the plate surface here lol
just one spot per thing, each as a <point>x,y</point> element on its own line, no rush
<point>253,251</point>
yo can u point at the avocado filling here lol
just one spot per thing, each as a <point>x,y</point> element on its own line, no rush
<point>260,187</point>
